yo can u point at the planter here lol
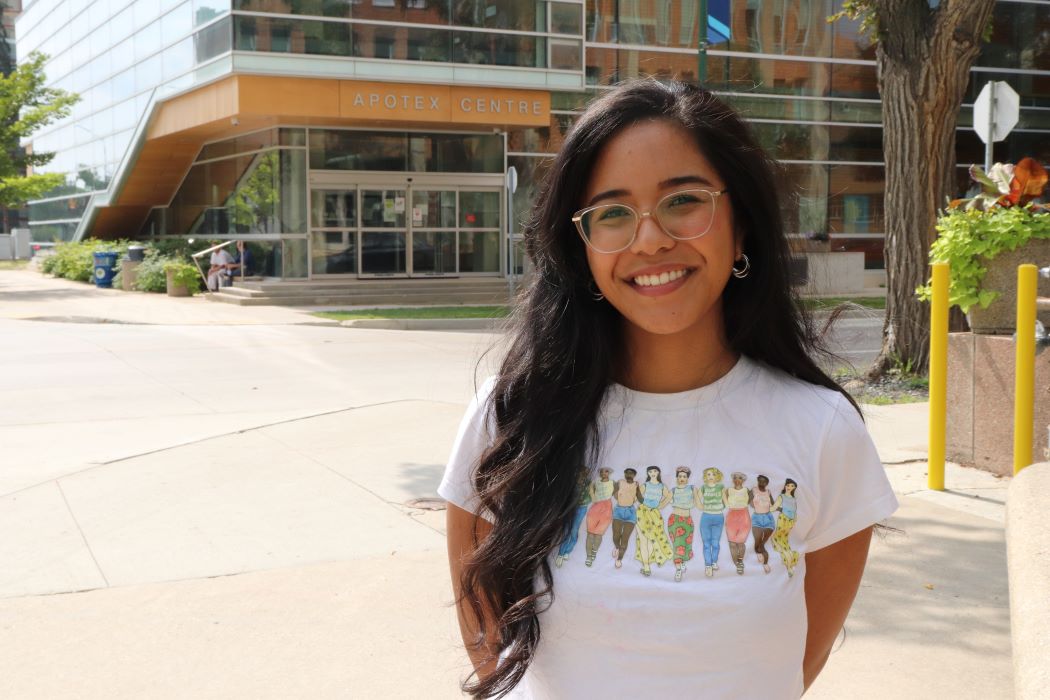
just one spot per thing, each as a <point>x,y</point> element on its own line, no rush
<point>1000,318</point>
<point>129,272</point>
<point>175,290</point>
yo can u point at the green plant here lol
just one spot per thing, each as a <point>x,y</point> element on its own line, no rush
<point>75,260</point>
<point>1001,218</point>
<point>183,274</point>
<point>150,276</point>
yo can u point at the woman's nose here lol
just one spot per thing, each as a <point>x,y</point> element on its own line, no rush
<point>650,238</point>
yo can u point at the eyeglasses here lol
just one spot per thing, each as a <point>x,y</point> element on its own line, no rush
<point>683,215</point>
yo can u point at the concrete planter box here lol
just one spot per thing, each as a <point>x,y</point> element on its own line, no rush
<point>1000,317</point>
<point>176,290</point>
<point>981,401</point>
<point>129,272</point>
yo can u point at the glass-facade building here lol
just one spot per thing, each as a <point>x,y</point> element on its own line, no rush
<point>371,138</point>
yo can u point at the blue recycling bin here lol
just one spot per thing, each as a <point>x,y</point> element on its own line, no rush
<point>105,269</point>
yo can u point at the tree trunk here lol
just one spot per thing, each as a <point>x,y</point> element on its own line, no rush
<point>924,57</point>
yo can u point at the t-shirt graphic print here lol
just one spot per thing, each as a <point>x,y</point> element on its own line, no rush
<point>733,510</point>
<point>685,559</point>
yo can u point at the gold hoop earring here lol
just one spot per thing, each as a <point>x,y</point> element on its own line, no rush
<point>593,289</point>
<point>743,272</point>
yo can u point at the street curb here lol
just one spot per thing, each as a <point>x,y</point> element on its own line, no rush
<point>1028,564</point>
<point>427,324</point>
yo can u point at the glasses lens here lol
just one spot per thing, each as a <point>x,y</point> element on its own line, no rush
<point>687,214</point>
<point>609,228</point>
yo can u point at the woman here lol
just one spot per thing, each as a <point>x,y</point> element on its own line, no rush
<point>651,545</point>
<point>625,513</point>
<point>762,523</point>
<point>738,519</point>
<point>658,327</point>
<point>712,520</point>
<point>568,544</point>
<point>600,515</point>
<point>680,528</point>
<point>788,507</point>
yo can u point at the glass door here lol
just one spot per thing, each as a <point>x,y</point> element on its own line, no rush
<point>333,231</point>
<point>479,231</point>
<point>384,233</point>
<point>433,224</point>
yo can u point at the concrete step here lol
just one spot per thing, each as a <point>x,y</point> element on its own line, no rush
<point>380,284</point>
<point>371,299</point>
<point>357,291</point>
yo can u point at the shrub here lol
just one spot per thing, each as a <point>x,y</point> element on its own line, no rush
<point>150,274</point>
<point>75,260</point>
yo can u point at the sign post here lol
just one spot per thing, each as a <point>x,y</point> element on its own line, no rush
<point>995,113</point>
<point>511,183</point>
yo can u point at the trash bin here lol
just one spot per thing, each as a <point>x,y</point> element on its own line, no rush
<point>136,253</point>
<point>105,269</point>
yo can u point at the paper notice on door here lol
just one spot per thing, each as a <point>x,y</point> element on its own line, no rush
<point>388,211</point>
<point>399,205</point>
<point>417,214</point>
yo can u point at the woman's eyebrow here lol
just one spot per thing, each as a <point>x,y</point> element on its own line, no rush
<point>664,184</point>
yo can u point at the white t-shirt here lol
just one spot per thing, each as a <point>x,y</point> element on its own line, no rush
<point>220,257</point>
<point>618,633</point>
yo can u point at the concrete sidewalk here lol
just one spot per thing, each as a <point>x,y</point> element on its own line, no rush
<point>185,518</point>
<point>27,294</point>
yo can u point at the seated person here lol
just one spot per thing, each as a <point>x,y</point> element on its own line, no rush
<point>219,262</point>
<point>242,263</point>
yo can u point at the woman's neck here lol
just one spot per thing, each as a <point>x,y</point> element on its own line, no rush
<point>664,364</point>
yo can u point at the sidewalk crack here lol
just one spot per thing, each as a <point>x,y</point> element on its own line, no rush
<point>83,537</point>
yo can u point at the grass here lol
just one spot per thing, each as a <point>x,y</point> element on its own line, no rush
<point>879,400</point>
<point>426,312</point>
<point>13,264</point>
<point>821,303</point>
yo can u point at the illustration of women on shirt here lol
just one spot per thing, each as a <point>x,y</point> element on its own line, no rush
<point>583,488</point>
<point>712,520</point>
<point>788,507</point>
<point>680,528</point>
<point>762,523</point>
<point>600,514</point>
<point>625,493</point>
<point>651,544</point>
<point>738,519</point>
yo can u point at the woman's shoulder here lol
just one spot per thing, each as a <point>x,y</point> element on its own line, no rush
<point>789,395</point>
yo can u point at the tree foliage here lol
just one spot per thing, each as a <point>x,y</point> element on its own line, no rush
<point>26,106</point>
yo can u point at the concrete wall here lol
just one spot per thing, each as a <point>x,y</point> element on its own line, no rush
<point>981,401</point>
<point>1028,561</point>
<point>834,273</point>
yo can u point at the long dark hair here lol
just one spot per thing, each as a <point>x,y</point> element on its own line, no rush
<point>567,348</point>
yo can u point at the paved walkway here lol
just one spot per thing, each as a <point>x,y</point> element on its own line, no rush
<point>229,509</point>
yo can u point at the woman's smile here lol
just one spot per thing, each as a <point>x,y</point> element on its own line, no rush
<point>657,281</point>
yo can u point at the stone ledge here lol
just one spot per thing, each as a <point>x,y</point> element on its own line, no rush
<point>1028,562</point>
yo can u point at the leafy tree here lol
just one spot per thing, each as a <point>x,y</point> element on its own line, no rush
<point>253,206</point>
<point>924,52</point>
<point>27,105</point>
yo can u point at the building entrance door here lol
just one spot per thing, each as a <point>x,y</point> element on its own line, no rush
<point>384,233</point>
<point>414,226</point>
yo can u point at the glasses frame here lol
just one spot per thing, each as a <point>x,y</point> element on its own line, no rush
<point>577,218</point>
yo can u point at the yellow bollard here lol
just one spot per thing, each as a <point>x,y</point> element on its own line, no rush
<point>1024,366</point>
<point>938,377</point>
